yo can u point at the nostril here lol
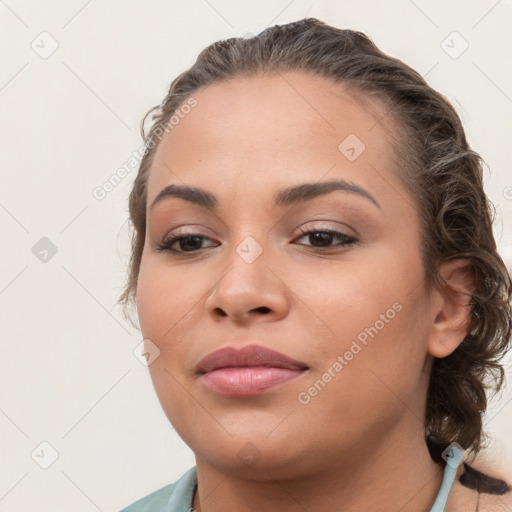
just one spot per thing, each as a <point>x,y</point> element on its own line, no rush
<point>263,309</point>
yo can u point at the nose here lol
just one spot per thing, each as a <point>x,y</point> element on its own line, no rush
<point>249,291</point>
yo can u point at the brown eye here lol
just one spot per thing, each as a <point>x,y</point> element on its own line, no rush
<point>324,238</point>
<point>185,243</point>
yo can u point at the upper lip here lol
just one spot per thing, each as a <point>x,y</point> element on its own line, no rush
<point>250,355</point>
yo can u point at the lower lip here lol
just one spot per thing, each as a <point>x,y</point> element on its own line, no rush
<point>247,381</point>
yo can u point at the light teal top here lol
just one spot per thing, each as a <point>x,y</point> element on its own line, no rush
<point>178,496</point>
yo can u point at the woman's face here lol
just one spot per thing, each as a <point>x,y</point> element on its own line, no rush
<point>352,308</point>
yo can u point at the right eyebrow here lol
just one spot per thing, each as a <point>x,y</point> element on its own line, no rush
<point>194,195</point>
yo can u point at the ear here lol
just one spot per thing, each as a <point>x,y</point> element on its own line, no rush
<point>452,312</point>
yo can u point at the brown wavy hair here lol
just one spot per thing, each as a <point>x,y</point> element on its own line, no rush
<point>435,162</point>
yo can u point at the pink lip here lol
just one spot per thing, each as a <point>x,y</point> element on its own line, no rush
<point>250,370</point>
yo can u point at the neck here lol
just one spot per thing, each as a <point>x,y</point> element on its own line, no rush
<point>397,474</point>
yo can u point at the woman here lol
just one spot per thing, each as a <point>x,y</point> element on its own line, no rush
<point>317,281</point>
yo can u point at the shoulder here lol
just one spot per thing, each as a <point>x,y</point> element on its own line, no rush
<point>174,497</point>
<point>495,502</point>
<point>494,490</point>
<point>153,502</point>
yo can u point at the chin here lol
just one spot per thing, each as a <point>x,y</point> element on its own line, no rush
<point>254,453</point>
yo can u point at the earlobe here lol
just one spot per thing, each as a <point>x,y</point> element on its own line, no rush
<point>452,319</point>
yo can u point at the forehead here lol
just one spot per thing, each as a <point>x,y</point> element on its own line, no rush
<point>268,128</point>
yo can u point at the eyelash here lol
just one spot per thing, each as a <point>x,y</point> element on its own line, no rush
<point>166,245</point>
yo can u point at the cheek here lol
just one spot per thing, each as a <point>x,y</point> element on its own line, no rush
<point>372,376</point>
<point>375,309</point>
<point>160,305</point>
<point>165,298</point>
<point>364,289</point>
<point>168,305</point>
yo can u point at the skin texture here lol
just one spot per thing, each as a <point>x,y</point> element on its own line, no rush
<point>364,431</point>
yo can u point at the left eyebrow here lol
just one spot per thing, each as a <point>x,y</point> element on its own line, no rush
<point>307,191</point>
<point>286,197</point>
